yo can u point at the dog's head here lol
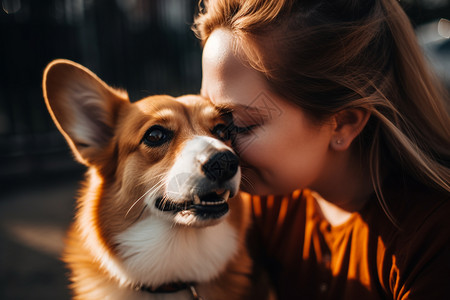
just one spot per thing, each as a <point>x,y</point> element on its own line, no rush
<point>165,156</point>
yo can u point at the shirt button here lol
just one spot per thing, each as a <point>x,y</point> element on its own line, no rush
<point>323,287</point>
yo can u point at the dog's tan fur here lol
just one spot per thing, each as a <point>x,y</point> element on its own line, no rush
<point>104,131</point>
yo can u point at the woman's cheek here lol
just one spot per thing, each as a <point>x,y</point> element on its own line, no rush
<point>246,149</point>
<point>254,152</point>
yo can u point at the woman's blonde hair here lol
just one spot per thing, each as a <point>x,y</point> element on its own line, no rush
<point>326,56</point>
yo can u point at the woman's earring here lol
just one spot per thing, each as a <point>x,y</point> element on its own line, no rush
<point>338,141</point>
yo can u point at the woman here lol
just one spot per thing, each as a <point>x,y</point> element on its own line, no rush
<point>333,105</point>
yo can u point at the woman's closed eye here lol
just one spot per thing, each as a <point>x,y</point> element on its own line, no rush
<point>244,129</point>
<point>231,117</point>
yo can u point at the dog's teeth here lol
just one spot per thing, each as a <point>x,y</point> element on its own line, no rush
<point>212,203</point>
<point>226,195</point>
<point>196,199</point>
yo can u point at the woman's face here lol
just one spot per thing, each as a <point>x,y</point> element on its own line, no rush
<point>281,149</point>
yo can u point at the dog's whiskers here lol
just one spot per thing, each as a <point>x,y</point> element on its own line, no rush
<point>247,181</point>
<point>140,214</point>
<point>150,190</point>
<point>164,201</point>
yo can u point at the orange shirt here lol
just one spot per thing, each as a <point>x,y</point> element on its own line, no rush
<point>365,258</point>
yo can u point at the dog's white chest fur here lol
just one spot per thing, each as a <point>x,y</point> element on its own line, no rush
<point>155,251</point>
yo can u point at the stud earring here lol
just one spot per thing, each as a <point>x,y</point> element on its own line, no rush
<point>338,141</point>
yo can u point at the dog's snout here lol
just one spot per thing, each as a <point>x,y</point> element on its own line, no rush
<point>221,166</point>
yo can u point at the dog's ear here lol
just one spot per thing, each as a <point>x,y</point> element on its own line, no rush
<point>84,108</point>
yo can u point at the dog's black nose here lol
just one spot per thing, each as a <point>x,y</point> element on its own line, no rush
<point>221,166</point>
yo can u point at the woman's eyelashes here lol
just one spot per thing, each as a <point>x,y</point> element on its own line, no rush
<point>234,129</point>
<point>244,129</point>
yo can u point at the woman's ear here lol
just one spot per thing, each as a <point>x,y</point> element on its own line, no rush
<point>348,125</point>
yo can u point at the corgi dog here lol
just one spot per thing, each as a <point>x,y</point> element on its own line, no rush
<point>159,216</point>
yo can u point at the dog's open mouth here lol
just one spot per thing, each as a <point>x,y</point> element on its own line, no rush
<point>211,205</point>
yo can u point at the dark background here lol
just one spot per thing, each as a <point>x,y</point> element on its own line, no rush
<point>143,46</point>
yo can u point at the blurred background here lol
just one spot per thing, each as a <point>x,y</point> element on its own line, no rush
<point>143,46</point>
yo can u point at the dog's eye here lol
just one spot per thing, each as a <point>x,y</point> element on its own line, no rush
<point>156,136</point>
<point>222,131</point>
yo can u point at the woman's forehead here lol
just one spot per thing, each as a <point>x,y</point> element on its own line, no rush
<point>226,79</point>
<point>219,56</point>
<point>219,47</point>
